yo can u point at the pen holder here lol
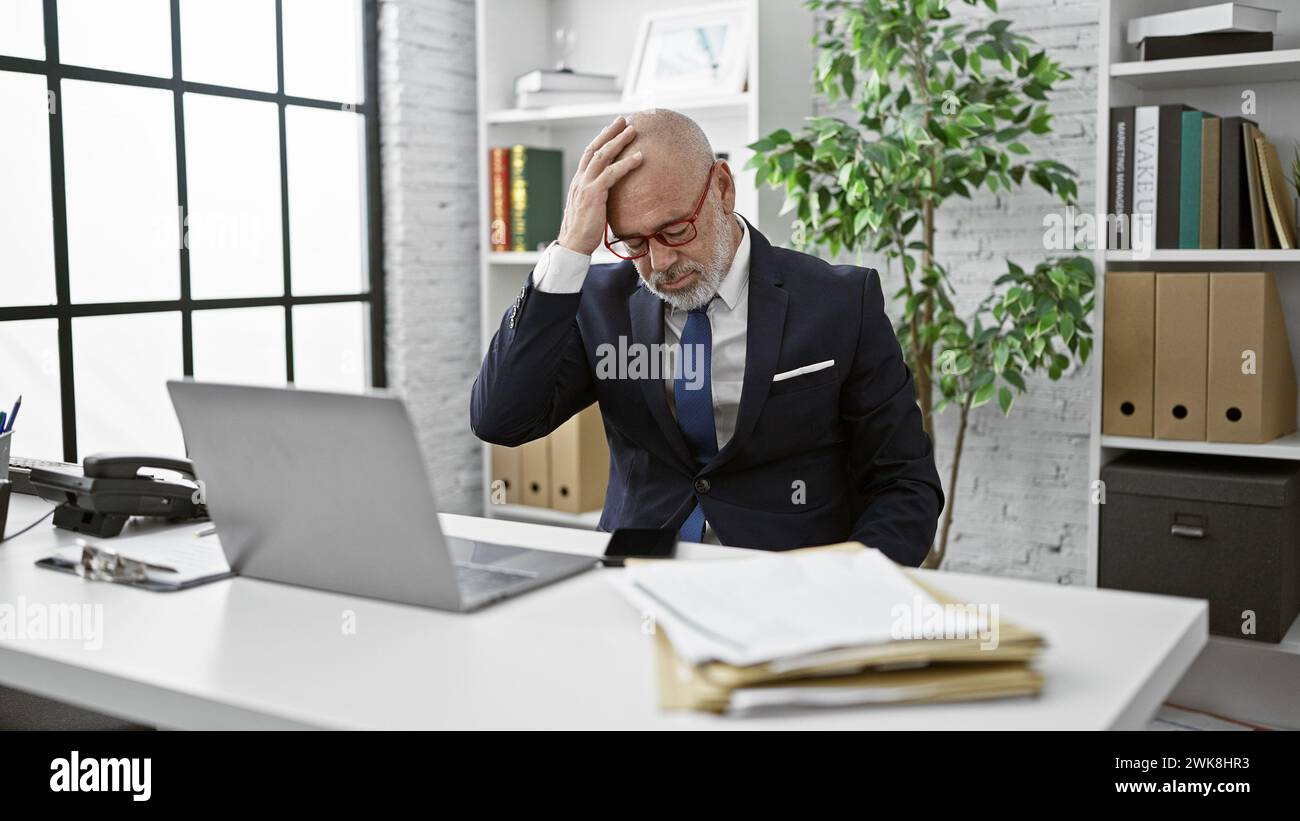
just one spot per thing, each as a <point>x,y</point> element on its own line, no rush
<point>5,440</point>
<point>5,486</point>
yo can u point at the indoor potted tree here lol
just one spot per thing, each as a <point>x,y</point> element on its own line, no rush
<point>940,107</point>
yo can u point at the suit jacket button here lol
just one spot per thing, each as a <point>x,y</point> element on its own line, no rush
<point>702,485</point>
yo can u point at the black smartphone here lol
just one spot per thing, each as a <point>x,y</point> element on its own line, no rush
<point>640,543</point>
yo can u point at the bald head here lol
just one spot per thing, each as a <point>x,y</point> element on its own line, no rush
<point>672,135</point>
<point>676,160</point>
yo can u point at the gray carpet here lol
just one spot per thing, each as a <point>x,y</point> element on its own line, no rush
<point>23,711</point>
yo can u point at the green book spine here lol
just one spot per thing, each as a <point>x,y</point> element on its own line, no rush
<point>1189,189</point>
<point>544,197</point>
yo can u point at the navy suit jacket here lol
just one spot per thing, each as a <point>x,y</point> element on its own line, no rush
<point>823,457</point>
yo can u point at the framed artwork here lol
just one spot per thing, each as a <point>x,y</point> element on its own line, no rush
<point>693,51</point>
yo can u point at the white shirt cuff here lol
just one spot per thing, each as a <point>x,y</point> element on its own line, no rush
<point>560,270</point>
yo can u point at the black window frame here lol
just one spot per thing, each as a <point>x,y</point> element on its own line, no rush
<point>64,310</point>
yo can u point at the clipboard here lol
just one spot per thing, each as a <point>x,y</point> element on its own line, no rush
<point>152,585</point>
<point>101,563</point>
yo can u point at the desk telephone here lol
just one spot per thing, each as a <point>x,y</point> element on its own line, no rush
<point>112,489</point>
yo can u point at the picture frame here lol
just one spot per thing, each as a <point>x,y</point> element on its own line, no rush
<point>695,51</point>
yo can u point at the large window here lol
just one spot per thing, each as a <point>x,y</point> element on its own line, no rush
<point>187,187</point>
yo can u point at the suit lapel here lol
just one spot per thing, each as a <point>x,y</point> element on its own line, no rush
<point>647,312</point>
<point>766,324</point>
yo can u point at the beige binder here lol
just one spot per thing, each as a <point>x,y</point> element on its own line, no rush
<point>535,472</point>
<point>579,463</point>
<point>1182,338</point>
<point>507,470</point>
<point>1251,388</point>
<point>1128,353</point>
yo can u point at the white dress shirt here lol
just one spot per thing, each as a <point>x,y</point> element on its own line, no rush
<point>562,271</point>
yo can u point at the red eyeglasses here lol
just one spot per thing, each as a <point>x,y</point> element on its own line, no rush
<point>673,235</point>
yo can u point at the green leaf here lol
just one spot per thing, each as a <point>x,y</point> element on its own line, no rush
<point>983,395</point>
<point>1005,398</point>
<point>1002,352</point>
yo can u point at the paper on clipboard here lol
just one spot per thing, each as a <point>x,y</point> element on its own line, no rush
<point>186,557</point>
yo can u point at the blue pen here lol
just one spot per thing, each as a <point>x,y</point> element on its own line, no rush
<point>13,417</point>
<point>2,423</point>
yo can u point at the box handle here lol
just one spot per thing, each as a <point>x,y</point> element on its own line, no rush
<point>1187,525</point>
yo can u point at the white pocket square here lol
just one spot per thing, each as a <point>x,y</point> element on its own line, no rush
<point>818,366</point>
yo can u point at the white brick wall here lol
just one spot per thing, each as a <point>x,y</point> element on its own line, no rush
<point>431,230</point>
<point>1022,494</point>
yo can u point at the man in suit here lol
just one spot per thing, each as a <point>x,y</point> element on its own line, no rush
<point>751,395</point>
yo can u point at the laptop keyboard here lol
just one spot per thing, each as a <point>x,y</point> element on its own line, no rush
<point>479,579</point>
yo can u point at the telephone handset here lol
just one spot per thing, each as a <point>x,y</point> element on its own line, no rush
<point>128,466</point>
<point>112,489</point>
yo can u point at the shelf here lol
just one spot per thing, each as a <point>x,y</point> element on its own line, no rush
<point>1283,447</point>
<point>1218,70</point>
<point>544,516</point>
<point>1206,255</point>
<point>530,258</point>
<point>1290,643</point>
<point>600,113</point>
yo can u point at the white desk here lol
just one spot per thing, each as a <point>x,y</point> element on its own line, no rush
<point>249,654</point>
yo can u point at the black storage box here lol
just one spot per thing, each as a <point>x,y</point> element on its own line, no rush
<point>1223,529</point>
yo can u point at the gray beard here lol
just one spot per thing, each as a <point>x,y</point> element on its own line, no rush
<point>706,285</point>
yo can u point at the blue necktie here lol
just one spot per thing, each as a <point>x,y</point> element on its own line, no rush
<point>694,399</point>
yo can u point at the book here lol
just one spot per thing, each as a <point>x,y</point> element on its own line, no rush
<point>1202,20</point>
<point>1259,229</point>
<point>543,99</point>
<point>536,197</point>
<point>1280,206</point>
<point>1234,195</point>
<point>1121,174</point>
<point>1146,143</point>
<point>1205,45</point>
<point>1189,186</point>
<point>1210,165</point>
<point>499,196</point>
<point>1158,164</point>
<point>551,80</point>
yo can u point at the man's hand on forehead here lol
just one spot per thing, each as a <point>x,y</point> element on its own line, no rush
<point>601,166</point>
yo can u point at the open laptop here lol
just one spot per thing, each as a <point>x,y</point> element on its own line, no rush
<point>330,491</point>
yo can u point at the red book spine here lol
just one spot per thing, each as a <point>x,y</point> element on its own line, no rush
<point>500,216</point>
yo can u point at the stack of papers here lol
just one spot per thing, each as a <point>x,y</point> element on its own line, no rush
<point>823,627</point>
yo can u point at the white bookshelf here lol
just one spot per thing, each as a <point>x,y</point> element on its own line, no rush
<point>1252,256</point>
<point>1221,69</point>
<point>515,36</point>
<point>1212,84</point>
<point>596,116</point>
<point>1283,447</point>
